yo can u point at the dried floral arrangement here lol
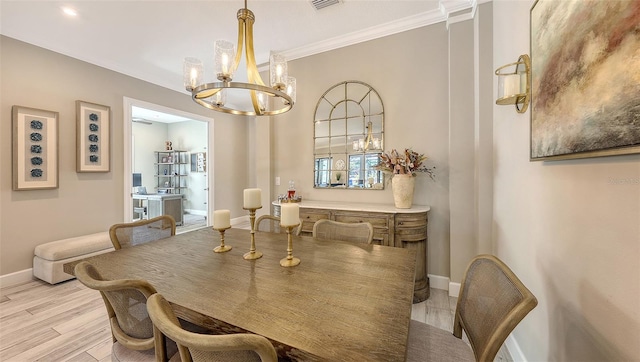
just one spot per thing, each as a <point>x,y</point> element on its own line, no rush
<point>407,163</point>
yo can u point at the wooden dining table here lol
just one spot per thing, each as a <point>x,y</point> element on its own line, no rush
<point>343,302</point>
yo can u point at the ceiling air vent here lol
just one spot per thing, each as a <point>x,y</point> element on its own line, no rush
<point>321,4</point>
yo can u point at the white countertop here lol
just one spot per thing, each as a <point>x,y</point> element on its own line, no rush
<point>157,196</point>
<point>356,206</point>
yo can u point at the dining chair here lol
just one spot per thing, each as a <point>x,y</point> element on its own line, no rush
<point>131,327</point>
<point>125,235</point>
<point>207,347</point>
<point>361,232</point>
<point>491,303</point>
<point>272,224</point>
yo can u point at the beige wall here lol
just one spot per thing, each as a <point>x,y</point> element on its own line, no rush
<point>87,202</point>
<point>409,71</point>
<point>569,229</point>
<point>147,138</point>
<point>463,239</point>
<point>483,140</point>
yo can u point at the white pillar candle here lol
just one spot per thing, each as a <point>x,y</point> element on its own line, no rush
<point>290,214</point>
<point>252,198</point>
<point>511,85</point>
<point>221,219</point>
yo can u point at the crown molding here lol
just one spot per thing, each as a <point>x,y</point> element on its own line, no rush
<point>375,32</point>
<point>444,13</point>
<point>450,7</point>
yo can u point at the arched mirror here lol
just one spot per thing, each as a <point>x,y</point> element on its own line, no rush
<point>348,137</point>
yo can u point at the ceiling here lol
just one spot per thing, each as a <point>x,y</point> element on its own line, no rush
<point>149,40</point>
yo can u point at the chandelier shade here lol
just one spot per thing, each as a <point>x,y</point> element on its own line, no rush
<point>225,52</point>
<point>192,73</point>
<point>291,88</point>
<point>280,94</point>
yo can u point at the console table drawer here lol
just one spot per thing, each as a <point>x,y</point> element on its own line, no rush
<point>412,234</point>
<point>411,221</point>
<point>309,217</point>
<point>378,222</point>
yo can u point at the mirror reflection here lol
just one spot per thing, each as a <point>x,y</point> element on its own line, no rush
<point>348,137</point>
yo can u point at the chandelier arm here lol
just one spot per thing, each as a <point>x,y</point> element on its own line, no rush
<point>256,104</point>
<point>207,94</point>
<point>368,139</point>
<point>236,60</point>
<point>252,68</point>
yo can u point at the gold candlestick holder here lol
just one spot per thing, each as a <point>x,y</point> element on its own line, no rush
<point>252,254</point>
<point>222,248</point>
<point>290,260</point>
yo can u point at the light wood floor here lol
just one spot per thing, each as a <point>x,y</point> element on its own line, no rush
<point>191,222</point>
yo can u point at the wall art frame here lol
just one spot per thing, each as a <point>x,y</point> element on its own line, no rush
<point>585,90</point>
<point>34,148</point>
<point>93,137</point>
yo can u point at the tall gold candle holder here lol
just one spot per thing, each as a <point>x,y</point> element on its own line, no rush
<point>222,248</point>
<point>290,260</point>
<point>252,254</point>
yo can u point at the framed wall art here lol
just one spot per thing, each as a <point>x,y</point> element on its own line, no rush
<point>198,162</point>
<point>93,137</point>
<point>585,79</point>
<point>35,148</point>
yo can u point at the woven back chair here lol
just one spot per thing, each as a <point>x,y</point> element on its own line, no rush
<point>361,232</point>
<point>139,232</point>
<point>131,327</point>
<point>491,303</point>
<point>272,224</point>
<point>239,347</point>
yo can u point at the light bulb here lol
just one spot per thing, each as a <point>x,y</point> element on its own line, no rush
<point>219,98</point>
<point>194,77</point>
<point>261,102</point>
<point>225,63</point>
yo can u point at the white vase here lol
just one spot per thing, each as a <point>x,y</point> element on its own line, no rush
<point>402,187</point>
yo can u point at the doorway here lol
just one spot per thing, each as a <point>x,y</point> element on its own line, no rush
<point>157,171</point>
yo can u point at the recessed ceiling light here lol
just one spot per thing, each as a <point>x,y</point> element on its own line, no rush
<point>70,11</point>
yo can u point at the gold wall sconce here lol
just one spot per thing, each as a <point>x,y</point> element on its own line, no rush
<point>514,84</point>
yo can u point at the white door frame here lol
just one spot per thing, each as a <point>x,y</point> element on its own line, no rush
<point>127,130</point>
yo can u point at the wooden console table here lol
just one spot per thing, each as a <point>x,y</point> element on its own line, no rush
<point>400,228</point>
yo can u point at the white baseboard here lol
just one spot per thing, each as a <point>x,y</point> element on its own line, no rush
<point>438,282</point>
<point>16,278</point>
<point>454,289</point>
<point>196,212</point>
<point>239,220</point>
<point>514,349</point>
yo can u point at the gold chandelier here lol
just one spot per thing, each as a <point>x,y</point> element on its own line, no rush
<point>280,95</point>
<point>363,144</point>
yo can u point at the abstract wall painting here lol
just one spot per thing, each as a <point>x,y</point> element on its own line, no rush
<point>35,149</point>
<point>92,137</point>
<point>585,59</point>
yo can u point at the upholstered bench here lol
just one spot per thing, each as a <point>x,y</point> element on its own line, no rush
<point>50,257</point>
